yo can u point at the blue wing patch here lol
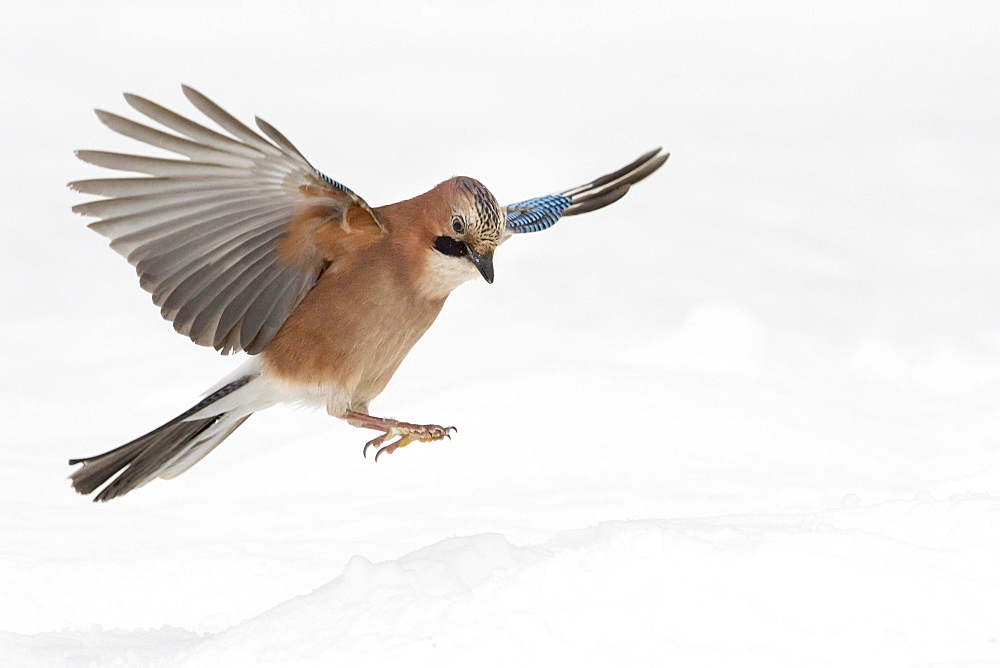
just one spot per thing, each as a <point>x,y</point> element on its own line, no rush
<point>536,214</point>
<point>336,184</point>
<point>540,213</point>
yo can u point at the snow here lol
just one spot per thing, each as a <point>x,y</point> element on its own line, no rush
<point>746,416</point>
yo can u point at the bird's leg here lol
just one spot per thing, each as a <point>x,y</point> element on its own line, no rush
<point>404,432</point>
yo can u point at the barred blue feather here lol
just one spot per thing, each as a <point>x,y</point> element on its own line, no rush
<point>536,214</point>
<point>540,213</point>
<point>335,184</point>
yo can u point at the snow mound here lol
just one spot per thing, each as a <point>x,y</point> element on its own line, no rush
<point>900,582</point>
<point>835,587</point>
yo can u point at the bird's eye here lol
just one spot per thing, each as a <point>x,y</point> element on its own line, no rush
<point>458,225</point>
<point>450,246</point>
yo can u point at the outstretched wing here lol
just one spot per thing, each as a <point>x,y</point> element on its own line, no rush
<point>542,212</point>
<point>229,240</point>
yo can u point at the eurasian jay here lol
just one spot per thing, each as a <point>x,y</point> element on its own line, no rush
<point>245,246</point>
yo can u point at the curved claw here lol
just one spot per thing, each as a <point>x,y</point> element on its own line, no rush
<point>374,443</point>
<point>387,449</point>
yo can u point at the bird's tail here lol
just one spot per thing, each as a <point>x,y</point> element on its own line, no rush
<point>168,450</point>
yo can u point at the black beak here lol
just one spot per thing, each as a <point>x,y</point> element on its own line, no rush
<point>484,263</point>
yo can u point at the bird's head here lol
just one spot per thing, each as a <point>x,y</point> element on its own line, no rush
<point>466,237</point>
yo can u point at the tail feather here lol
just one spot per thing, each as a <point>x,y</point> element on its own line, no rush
<point>167,451</point>
<point>195,454</point>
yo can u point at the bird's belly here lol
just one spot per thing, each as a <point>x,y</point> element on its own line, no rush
<point>343,358</point>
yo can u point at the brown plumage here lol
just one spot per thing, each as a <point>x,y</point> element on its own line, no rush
<point>245,246</point>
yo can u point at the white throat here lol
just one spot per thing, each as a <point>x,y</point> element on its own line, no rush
<point>445,273</point>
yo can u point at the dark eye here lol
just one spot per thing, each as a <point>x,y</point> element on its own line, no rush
<point>449,246</point>
<point>458,225</point>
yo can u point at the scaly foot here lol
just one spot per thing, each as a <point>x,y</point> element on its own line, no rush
<point>404,432</point>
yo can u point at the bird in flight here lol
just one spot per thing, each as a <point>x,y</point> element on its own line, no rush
<point>245,246</point>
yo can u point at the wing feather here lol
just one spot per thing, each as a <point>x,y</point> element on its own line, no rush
<point>543,212</point>
<point>234,305</point>
<point>229,123</point>
<point>124,230</point>
<point>208,233</point>
<point>190,129</point>
<point>148,186</point>
<point>155,257</point>
<point>183,286</point>
<point>280,139</point>
<point>172,143</point>
<point>260,323</point>
<point>164,167</point>
<point>213,302</point>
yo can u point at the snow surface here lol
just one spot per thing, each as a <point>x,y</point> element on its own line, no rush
<point>749,415</point>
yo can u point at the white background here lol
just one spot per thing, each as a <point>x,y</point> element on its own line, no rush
<point>749,415</point>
